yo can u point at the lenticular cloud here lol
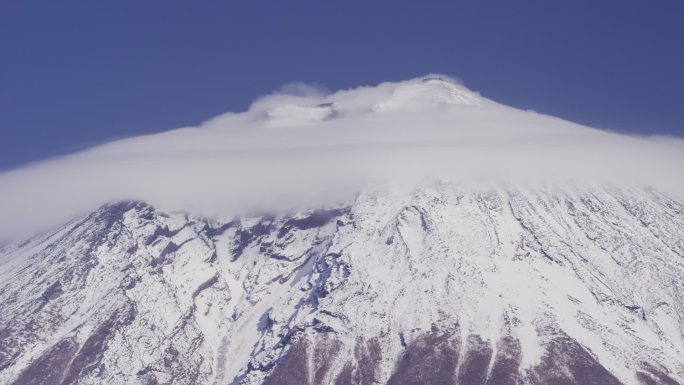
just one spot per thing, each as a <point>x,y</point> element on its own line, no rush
<point>304,146</point>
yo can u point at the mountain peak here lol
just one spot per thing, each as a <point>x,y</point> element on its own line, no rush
<point>428,92</point>
<point>414,95</point>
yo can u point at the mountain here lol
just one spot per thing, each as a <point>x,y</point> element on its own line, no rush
<point>438,285</point>
<point>408,233</point>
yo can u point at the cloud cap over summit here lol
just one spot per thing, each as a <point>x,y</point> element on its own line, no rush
<point>304,146</point>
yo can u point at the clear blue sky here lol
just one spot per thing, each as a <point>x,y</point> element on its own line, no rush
<point>74,74</point>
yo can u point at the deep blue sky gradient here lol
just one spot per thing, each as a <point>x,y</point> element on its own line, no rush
<point>74,74</point>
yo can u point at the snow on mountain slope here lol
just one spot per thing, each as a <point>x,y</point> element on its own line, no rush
<point>444,284</point>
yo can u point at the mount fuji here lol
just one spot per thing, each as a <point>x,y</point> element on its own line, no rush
<point>434,275</point>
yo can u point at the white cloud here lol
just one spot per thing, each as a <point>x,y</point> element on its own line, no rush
<point>305,146</point>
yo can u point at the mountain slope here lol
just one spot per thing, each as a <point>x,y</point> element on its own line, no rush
<point>445,284</point>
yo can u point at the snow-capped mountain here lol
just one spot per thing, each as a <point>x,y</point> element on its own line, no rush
<point>443,282</point>
<point>439,286</point>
